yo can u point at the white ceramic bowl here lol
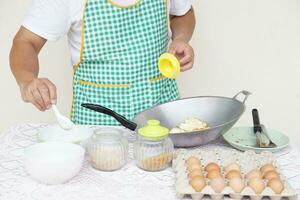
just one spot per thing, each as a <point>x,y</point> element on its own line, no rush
<point>54,133</point>
<point>53,162</point>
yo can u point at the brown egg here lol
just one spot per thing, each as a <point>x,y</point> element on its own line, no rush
<point>213,174</point>
<point>276,185</point>
<point>254,174</point>
<point>218,184</point>
<point>193,160</point>
<point>212,166</point>
<point>232,166</point>
<point>196,172</point>
<point>233,173</point>
<point>198,183</point>
<point>267,167</point>
<point>237,184</point>
<point>270,175</point>
<point>257,185</point>
<point>193,167</point>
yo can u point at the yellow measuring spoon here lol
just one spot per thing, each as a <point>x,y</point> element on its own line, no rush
<point>169,65</point>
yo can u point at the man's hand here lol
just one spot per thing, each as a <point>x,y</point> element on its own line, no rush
<point>184,52</point>
<point>25,67</point>
<point>182,30</point>
<point>40,92</point>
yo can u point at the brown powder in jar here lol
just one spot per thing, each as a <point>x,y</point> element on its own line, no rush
<point>156,163</point>
<point>107,160</point>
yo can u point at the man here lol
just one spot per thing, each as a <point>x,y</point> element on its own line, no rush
<point>115,45</point>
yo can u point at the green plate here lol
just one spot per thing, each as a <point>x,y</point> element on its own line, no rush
<point>243,138</point>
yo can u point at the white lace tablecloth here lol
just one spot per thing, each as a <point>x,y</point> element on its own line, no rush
<point>128,183</point>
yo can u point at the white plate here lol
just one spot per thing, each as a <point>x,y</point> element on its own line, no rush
<point>243,138</point>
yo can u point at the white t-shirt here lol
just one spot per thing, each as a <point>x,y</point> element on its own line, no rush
<point>52,19</point>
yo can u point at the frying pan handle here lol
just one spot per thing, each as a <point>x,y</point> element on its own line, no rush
<point>243,92</point>
<point>123,121</point>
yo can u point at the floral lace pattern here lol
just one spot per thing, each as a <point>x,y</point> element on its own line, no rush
<point>128,183</point>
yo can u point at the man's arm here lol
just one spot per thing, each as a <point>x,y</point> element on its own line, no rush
<point>182,30</point>
<point>25,67</point>
<point>183,26</point>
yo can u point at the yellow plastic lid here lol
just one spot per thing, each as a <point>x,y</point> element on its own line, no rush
<point>153,131</point>
<point>169,65</point>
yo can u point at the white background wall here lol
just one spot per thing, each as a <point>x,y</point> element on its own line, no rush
<point>239,44</point>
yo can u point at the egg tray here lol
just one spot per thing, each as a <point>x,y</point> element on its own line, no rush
<point>247,160</point>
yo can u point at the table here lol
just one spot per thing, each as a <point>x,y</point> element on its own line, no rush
<point>128,183</point>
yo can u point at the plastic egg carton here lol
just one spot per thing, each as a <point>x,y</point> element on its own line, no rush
<point>247,160</point>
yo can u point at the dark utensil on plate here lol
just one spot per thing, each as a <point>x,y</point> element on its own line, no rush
<point>262,138</point>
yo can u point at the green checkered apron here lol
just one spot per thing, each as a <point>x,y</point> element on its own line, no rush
<point>118,67</point>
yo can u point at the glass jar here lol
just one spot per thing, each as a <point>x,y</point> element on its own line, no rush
<point>153,149</point>
<point>108,149</point>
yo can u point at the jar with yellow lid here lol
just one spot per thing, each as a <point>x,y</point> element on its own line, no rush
<point>153,150</point>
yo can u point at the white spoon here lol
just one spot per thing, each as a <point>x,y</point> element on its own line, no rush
<point>63,121</point>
